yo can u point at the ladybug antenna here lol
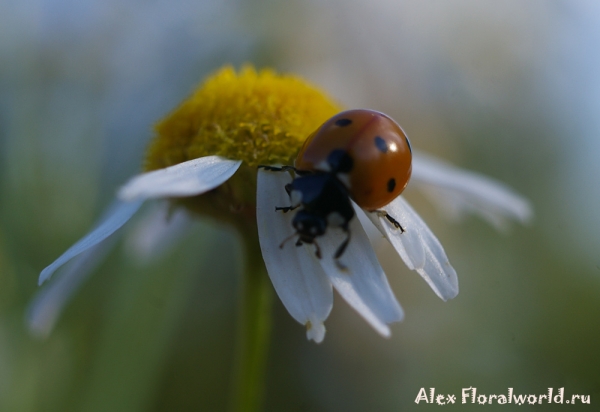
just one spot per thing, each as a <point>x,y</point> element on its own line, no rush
<point>340,251</point>
<point>317,249</point>
<point>288,238</point>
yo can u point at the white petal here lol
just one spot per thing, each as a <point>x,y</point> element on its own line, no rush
<point>117,215</point>
<point>189,178</point>
<point>370,228</point>
<point>47,305</point>
<point>362,284</point>
<point>459,190</point>
<point>315,332</point>
<point>299,281</point>
<point>409,245</point>
<point>156,231</point>
<point>418,247</point>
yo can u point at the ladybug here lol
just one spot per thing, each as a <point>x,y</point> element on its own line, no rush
<point>359,155</point>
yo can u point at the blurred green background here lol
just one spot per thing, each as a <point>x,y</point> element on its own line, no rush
<point>510,89</point>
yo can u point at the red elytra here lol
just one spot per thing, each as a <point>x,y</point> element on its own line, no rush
<point>380,152</point>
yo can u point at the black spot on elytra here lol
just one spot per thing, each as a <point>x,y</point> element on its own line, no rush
<point>343,122</point>
<point>391,185</point>
<point>340,161</point>
<point>381,144</point>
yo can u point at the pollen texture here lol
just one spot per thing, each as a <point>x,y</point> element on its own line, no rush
<point>257,117</point>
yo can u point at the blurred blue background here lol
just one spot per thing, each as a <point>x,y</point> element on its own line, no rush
<point>508,89</point>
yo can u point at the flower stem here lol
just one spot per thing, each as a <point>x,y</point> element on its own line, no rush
<point>254,327</point>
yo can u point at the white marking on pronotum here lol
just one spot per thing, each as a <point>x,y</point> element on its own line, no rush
<point>323,166</point>
<point>344,178</point>
<point>334,219</point>
<point>296,197</point>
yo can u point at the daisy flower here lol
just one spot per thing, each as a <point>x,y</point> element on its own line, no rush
<point>204,160</point>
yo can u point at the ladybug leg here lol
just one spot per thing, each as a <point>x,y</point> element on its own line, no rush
<point>300,243</point>
<point>317,250</point>
<point>394,222</point>
<point>285,169</point>
<point>288,238</point>
<point>286,209</point>
<point>340,251</point>
<point>277,168</point>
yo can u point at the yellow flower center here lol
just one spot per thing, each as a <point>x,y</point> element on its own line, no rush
<point>257,117</point>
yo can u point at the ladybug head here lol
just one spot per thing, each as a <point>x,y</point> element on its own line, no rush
<point>309,225</point>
